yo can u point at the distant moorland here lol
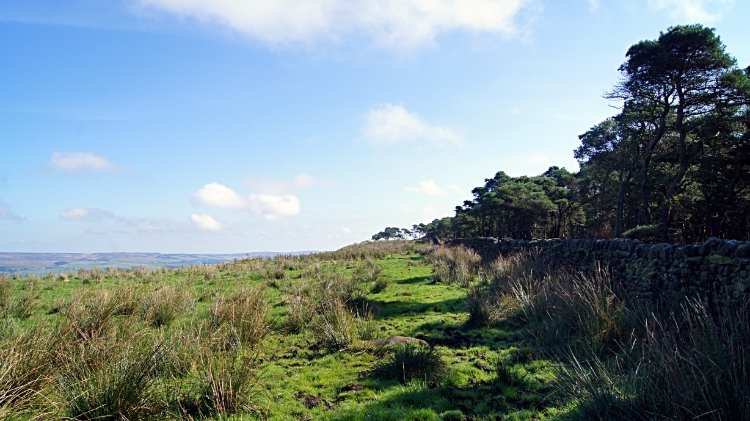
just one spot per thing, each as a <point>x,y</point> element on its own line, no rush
<point>39,263</point>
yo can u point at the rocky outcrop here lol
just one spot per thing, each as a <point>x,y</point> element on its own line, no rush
<point>717,270</point>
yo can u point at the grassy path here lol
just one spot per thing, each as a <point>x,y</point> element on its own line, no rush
<point>304,382</point>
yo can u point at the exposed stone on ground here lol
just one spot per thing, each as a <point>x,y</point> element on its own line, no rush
<point>395,340</point>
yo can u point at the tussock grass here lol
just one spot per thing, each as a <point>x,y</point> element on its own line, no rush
<point>119,387</point>
<point>246,311</point>
<point>411,362</point>
<point>226,385</point>
<point>27,364</point>
<point>623,358</point>
<point>163,305</point>
<point>334,326</point>
<point>453,264</point>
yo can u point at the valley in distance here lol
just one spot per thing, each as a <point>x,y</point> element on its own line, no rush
<point>41,263</point>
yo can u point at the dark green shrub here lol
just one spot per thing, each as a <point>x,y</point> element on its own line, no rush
<point>647,233</point>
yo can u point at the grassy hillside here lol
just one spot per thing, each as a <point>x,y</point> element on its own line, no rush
<point>296,337</point>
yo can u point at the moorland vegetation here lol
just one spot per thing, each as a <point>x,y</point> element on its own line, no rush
<point>306,337</point>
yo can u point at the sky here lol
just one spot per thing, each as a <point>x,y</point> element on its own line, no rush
<point>233,126</point>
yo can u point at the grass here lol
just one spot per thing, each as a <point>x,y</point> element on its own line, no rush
<point>285,339</point>
<point>411,362</point>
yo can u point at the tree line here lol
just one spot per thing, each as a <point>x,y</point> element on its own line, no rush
<point>672,165</point>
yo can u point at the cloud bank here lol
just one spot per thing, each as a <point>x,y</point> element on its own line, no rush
<point>6,213</point>
<point>269,206</point>
<point>392,24</point>
<point>390,124</point>
<point>82,162</point>
<point>85,214</point>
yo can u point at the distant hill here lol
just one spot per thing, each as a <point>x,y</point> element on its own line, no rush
<point>65,262</point>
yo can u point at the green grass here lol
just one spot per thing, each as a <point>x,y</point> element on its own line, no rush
<point>239,341</point>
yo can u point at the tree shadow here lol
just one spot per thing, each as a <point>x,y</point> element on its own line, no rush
<point>414,280</point>
<point>396,308</point>
<point>419,401</point>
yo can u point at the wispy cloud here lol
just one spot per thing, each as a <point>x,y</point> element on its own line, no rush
<point>390,124</point>
<point>391,24</point>
<point>269,206</point>
<point>82,162</point>
<point>7,213</point>
<point>429,188</point>
<point>206,222</point>
<point>299,182</point>
<point>429,211</point>
<point>85,214</point>
<point>692,11</point>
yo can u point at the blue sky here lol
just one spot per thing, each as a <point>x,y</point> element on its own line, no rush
<point>228,126</point>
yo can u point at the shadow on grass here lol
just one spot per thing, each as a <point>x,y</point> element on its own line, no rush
<point>396,308</point>
<point>454,336</point>
<point>414,280</point>
<point>419,401</point>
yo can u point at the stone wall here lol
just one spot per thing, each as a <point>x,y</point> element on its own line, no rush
<point>718,270</point>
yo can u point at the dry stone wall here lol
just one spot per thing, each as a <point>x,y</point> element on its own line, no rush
<point>718,270</point>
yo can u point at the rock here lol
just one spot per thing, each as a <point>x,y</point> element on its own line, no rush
<point>719,260</point>
<point>395,340</point>
<point>743,250</point>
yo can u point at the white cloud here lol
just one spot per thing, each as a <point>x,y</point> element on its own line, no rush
<point>429,211</point>
<point>274,207</point>
<point>217,195</point>
<point>393,24</point>
<point>281,185</point>
<point>594,5</point>
<point>428,188</point>
<point>453,187</point>
<point>94,232</point>
<point>85,214</point>
<point>389,124</point>
<point>206,222</point>
<point>80,162</point>
<point>7,213</point>
<point>269,206</point>
<point>346,230</point>
<point>693,11</point>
